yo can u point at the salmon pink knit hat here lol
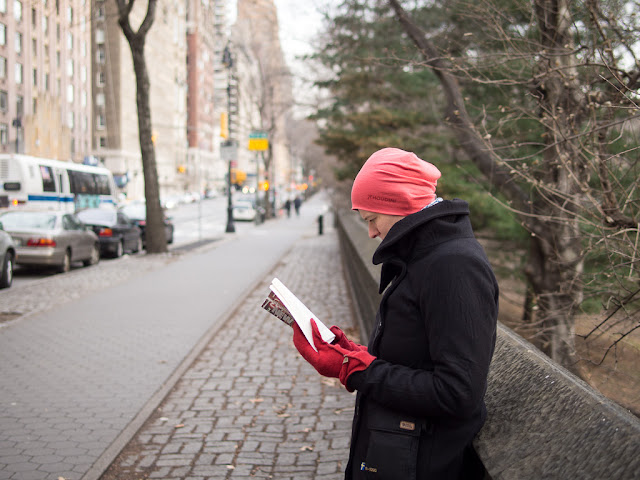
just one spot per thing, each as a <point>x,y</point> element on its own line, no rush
<point>394,182</point>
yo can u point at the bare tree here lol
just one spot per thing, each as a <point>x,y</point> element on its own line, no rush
<point>156,241</point>
<point>576,191</point>
<point>270,91</point>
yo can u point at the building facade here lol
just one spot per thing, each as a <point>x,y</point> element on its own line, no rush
<point>45,83</point>
<point>115,118</point>
<point>207,34</point>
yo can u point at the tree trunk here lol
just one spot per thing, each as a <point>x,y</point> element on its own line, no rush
<point>156,241</point>
<point>154,232</point>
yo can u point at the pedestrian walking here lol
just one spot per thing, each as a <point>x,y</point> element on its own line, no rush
<point>422,378</point>
<point>296,204</point>
<point>287,207</point>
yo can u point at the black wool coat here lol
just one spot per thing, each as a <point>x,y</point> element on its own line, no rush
<point>421,402</point>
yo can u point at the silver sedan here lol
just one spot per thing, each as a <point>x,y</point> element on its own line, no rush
<point>55,239</point>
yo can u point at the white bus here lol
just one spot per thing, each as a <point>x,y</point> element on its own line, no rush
<point>53,185</point>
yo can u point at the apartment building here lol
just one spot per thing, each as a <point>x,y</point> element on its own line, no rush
<point>115,118</point>
<point>206,38</point>
<point>45,86</point>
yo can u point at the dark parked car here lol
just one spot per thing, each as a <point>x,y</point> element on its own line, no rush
<point>117,232</point>
<point>55,239</point>
<point>7,257</point>
<point>138,213</point>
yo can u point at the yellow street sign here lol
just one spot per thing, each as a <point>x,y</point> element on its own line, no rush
<point>258,141</point>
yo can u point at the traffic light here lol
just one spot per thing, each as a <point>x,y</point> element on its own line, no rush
<point>224,125</point>
<point>182,168</point>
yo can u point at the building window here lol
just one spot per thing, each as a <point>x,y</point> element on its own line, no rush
<point>58,58</point>
<point>99,36</point>
<point>45,25</point>
<point>35,77</point>
<point>3,6</point>
<point>70,93</point>
<point>19,73</point>
<point>100,99</point>
<point>83,48</point>
<point>34,106</point>
<point>100,80</point>
<point>19,106</point>
<point>3,67</point>
<point>4,134</point>
<point>18,43</point>
<point>70,67</point>
<point>70,41</point>
<point>4,101</point>
<point>100,121</point>
<point>101,54</point>
<point>17,10</point>
<point>34,47</point>
<point>3,34</point>
<point>102,141</point>
<point>34,17</point>
<point>58,32</point>
<point>71,120</point>
<point>46,81</point>
<point>84,98</point>
<point>70,15</point>
<point>100,13</point>
<point>83,73</point>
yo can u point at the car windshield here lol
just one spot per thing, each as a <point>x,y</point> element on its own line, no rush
<point>36,220</point>
<point>97,216</point>
<point>138,212</point>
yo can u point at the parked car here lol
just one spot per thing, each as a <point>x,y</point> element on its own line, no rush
<point>8,251</point>
<point>243,210</point>
<point>117,232</point>
<point>137,212</point>
<point>55,239</point>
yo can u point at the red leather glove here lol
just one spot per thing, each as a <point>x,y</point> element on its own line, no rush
<point>342,340</point>
<point>327,360</point>
<point>354,361</point>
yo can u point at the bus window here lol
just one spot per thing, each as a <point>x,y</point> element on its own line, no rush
<point>48,182</point>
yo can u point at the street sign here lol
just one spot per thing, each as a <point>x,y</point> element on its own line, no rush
<point>228,150</point>
<point>258,141</point>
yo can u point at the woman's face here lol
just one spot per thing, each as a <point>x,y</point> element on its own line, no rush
<point>379,223</point>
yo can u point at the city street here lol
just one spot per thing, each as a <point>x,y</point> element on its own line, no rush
<point>82,354</point>
<point>202,221</point>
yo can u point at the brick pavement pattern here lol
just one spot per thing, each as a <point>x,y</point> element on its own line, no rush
<point>250,406</point>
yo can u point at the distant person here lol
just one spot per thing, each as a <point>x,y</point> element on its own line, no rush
<point>296,203</point>
<point>287,207</point>
<point>421,381</point>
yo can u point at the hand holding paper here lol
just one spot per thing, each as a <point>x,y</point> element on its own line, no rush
<point>292,306</point>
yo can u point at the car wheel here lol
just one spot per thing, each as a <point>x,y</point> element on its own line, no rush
<point>66,263</point>
<point>6,278</point>
<point>119,250</point>
<point>94,258</point>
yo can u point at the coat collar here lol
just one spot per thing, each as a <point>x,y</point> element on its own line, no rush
<point>429,227</point>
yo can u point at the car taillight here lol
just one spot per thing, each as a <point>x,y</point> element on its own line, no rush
<point>105,232</point>
<point>41,242</point>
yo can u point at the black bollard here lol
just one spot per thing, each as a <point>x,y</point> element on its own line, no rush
<point>320,222</point>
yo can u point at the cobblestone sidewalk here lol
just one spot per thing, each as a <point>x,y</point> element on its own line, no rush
<point>250,406</point>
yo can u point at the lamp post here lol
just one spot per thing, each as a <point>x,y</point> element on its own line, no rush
<point>227,61</point>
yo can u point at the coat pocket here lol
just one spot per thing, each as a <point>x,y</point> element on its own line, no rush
<point>394,438</point>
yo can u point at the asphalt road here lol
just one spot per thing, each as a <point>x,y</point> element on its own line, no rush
<point>195,222</point>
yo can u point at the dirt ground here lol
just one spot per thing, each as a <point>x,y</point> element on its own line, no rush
<point>617,376</point>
